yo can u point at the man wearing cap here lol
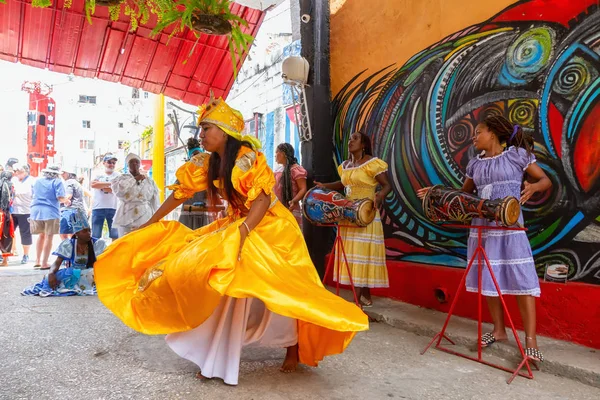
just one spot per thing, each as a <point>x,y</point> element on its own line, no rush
<point>48,193</point>
<point>104,205</point>
<point>138,197</point>
<point>23,184</point>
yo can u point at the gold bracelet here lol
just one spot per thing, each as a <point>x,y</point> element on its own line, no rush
<point>247,227</point>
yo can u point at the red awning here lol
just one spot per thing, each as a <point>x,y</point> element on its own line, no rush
<point>63,41</point>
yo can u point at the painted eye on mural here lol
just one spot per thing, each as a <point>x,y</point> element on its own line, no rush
<point>527,56</point>
<point>523,112</point>
<point>576,75</point>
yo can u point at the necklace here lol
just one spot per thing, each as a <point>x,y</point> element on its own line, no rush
<point>355,163</point>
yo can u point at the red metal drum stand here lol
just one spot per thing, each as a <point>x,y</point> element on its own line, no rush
<point>338,248</point>
<point>479,254</point>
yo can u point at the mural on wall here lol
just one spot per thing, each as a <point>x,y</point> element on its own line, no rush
<point>535,63</point>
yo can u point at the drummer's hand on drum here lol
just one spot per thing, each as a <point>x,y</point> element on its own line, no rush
<point>421,192</point>
<point>528,191</point>
<point>319,184</point>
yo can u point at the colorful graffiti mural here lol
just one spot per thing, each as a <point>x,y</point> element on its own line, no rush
<point>536,63</point>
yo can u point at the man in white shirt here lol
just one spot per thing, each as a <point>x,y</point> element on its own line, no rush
<point>21,207</point>
<point>104,204</point>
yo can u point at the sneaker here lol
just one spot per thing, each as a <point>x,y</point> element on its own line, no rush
<point>25,260</point>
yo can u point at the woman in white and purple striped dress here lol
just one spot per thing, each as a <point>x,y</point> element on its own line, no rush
<point>506,156</point>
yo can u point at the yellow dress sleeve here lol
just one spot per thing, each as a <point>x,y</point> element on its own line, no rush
<point>376,167</point>
<point>192,177</point>
<point>252,175</point>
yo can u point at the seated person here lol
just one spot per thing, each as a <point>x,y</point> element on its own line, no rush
<point>79,255</point>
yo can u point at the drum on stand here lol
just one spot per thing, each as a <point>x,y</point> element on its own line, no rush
<point>442,204</point>
<point>325,206</point>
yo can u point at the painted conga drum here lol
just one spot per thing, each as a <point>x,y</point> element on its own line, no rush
<point>442,204</point>
<point>325,206</point>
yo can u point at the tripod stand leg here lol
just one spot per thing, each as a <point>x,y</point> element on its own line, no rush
<point>479,250</point>
<point>510,321</point>
<point>330,264</point>
<point>341,244</point>
<point>338,259</point>
<point>441,335</point>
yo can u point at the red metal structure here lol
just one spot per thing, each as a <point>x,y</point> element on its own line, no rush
<point>61,40</point>
<point>338,248</point>
<point>480,255</point>
<point>41,122</point>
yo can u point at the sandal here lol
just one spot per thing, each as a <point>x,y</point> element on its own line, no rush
<point>534,354</point>
<point>487,339</point>
<point>44,268</point>
<point>37,266</point>
<point>365,302</point>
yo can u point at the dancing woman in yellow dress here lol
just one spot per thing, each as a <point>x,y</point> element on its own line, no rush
<point>246,279</point>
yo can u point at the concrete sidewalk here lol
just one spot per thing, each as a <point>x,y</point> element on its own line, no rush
<point>560,358</point>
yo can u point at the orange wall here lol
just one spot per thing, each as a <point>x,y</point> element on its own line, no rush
<point>391,31</point>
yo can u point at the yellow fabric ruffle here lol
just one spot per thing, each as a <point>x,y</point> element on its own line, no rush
<point>167,278</point>
<point>191,177</point>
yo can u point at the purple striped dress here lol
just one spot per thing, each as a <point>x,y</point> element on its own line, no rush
<point>509,252</point>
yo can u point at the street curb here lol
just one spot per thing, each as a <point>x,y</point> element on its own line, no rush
<point>503,350</point>
<point>561,358</point>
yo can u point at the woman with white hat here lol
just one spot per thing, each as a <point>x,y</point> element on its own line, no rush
<point>137,195</point>
<point>48,193</point>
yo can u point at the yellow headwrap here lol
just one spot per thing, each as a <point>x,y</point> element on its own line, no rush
<point>231,121</point>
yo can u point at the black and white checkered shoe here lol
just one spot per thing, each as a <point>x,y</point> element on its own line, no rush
<point>534,354</point>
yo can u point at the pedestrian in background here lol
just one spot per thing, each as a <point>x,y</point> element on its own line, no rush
<point>21,208</point>
<point>198,219</point>
<point>104,205</point>
<point>290,180</point>
<point>87,195</point>
<point>7,229</point>
<point>48,193</point>
<point>74,193</point>
<point>138,197</point>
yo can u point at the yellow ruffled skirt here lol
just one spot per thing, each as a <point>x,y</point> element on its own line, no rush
<point>166,278</point>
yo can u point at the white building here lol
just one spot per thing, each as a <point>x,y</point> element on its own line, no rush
<point>96,117</point>
<point>93,117</point>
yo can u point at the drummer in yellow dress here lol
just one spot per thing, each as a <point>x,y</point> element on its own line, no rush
<point>364,247</point>
<point>246,279</point>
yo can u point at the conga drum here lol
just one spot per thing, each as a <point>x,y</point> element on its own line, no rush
<point>441,204</point>
<point>325,206</point>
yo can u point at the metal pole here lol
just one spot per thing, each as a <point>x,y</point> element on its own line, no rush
<point>158,143</point>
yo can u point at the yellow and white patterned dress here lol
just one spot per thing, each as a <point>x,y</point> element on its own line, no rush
<point>365,247</point>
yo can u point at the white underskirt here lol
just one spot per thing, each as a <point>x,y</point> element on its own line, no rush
<point>216,345</point>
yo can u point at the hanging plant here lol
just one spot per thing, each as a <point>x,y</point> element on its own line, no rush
<point>211,17</point>
<point>108,3</point>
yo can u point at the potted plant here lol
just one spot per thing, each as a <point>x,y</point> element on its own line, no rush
<point>212,17</point>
